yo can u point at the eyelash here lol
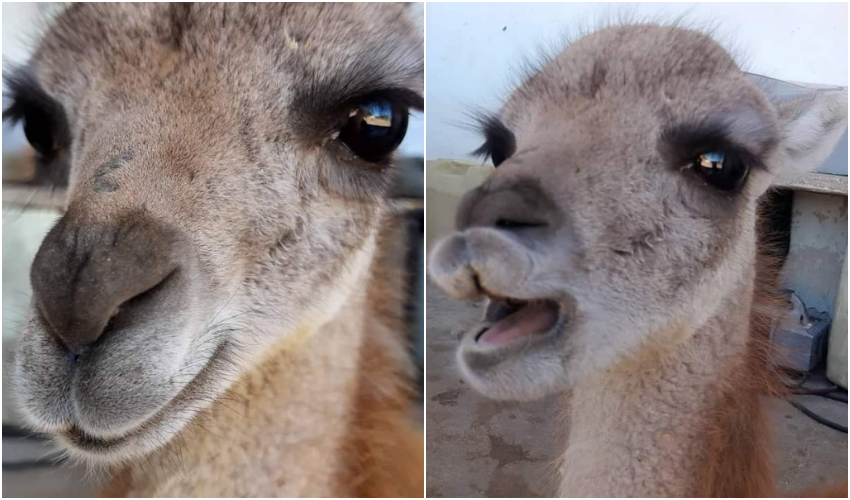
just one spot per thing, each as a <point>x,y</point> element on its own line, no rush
<point>499,143</point>
<point>43,119</point>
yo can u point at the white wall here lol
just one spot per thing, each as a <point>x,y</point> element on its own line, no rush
<point>414,142</point>
<point>20,22</point>
<point>471,48</point>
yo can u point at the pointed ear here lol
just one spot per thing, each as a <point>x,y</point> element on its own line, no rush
<point>812,125</point>
<point>811,121</point>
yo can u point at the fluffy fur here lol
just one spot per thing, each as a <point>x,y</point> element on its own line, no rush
<point>598,207</point>
<point>324,413</point>
<point>207,135</point>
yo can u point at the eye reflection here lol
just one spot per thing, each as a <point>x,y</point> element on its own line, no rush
<point>374,128</point>
<point>712,159</point>
<point>723,170</point>
<point>378,116</point>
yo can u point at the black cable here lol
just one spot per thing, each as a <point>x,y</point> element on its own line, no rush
<point>832,392</point>
<point>838,396</point>
<point>43,463</point>
<point>814,392</point>
<point>817,418</point>
<point>15,432</point>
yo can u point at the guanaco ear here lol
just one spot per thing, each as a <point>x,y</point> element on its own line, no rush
<point>812,125</point>
<point>811,121</point>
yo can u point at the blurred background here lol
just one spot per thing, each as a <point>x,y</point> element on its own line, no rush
<point>473,52</point>
<point>29,211</point>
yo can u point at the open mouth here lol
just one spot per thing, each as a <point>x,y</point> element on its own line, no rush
<point>509,320</point>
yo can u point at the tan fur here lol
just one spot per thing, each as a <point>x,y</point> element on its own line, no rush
<point>220,310</point>
<point>330,412</point>
<point>598,209</point>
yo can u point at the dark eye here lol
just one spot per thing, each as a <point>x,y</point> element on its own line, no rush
<point>43,119</point>
<point>38,130</point>
<point>375,129</point>
<point>498,157</point>
<point>725,171</point>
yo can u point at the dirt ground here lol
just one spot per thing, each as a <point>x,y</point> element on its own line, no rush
<point>482,448</point>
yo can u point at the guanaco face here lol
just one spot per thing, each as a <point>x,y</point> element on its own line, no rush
<point>623,204</point>
<point>226,168</point>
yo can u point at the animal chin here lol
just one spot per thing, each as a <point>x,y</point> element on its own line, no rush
<point>78,439</point>
<point>99,446</point>
<point>154,431</point>
<point>508,320</point>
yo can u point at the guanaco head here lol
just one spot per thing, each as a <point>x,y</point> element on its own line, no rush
<point>623,204</point>
<point>226,168</point>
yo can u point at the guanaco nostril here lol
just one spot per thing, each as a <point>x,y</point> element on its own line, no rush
<point>510,224</point>
<point>79,334</point>
<point>85,277</point>
<point>142,297</point>
<point>507,204</point>
<point>129,305</point>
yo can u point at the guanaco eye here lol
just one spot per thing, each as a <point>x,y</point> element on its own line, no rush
<point>498,157</point>
<point>725,171</point>
<point>42,118</point>
<point>38,131</point>
<point>375,129</point>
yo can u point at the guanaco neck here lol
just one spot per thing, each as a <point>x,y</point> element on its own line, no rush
<point>677,421</point>
<point>324,413</point>
<point>277,431</point>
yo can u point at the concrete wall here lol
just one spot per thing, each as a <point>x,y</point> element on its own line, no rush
<point>836,368</point>
<point>471,48</point>
<point>818,248</point>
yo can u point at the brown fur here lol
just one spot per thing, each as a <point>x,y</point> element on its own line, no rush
<point>738,435</point>
<point>740,444</point>
<point>387,452</point>
<point>382,450</point>
<point>647,262</point>
<point>219,311</point>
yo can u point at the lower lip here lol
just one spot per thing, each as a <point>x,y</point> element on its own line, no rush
<point>83,440</point>
<point>534,319</point>
<point>86,441</point>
